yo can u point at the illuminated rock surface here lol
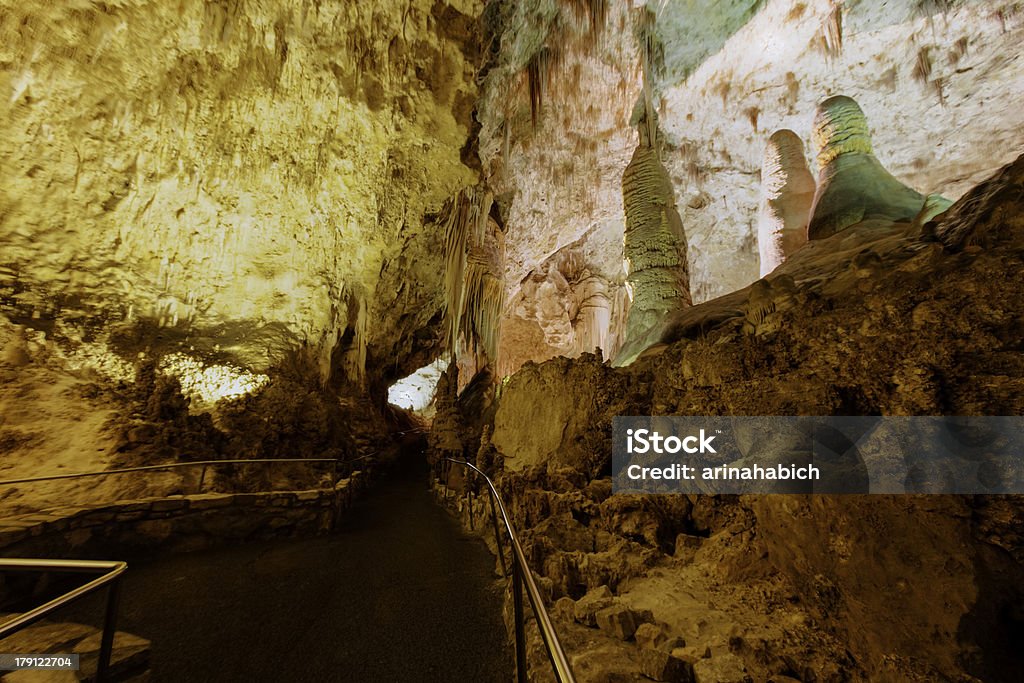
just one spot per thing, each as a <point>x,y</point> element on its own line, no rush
<point>876,320</point>
<point>250,176</point>
<point>938,86</point>
<point>787,193</point>
<point>224,234</point>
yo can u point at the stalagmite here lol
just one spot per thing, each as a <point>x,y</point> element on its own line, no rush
<point>655,244</point>
<point>787,192</point>
<point>852,184</point>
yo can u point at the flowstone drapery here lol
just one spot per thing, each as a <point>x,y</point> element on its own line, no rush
<point>474,290</point>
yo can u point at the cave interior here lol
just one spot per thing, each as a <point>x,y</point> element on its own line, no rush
<point>274,274</point>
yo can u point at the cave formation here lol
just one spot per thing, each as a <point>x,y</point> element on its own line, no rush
<point>268,268</point>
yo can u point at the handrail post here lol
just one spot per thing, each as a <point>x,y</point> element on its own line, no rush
<point>109,628</point>
<point>520,623</point>
<point>447,477</point>
<point>202,478</point>
<point>497,538</point>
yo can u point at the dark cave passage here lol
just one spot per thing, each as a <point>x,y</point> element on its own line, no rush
<point>399,593</point>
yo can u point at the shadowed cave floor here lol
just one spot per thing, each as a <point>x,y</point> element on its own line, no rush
<point>399,593</point>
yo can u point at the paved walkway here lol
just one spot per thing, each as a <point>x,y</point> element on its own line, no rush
<point>399,593</point>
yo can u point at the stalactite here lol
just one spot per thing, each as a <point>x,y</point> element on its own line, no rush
<point>355,358</point>
<point>474,287</point>
<point>484,301</point>
<point>651,60</point>
<point>539,73</point>
<point>832,31</point>
<point>543,64</point>
<point>596,11</point>
<point>655,243</point>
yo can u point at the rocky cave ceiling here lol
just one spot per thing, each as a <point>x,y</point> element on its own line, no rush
<point>235,181</point>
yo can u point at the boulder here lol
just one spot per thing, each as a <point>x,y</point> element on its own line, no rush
<point>621,621</point>
<point>655,636</point>
<point>564,609</point>
<point>650,636</point>
<point>587,607</point>
<point>662,666</point>
<point>722,668</point>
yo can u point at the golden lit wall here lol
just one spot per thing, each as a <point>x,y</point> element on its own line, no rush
<point>245,166</point>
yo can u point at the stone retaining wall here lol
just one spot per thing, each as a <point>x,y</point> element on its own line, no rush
<point>176,523</point>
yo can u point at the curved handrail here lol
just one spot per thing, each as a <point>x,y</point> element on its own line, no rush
<point>112,571</point>
<point>559,662</point>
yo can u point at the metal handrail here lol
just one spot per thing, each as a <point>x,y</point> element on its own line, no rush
<point>112,576</point>
<point>169,466</point>
<point>521,575</point>
<point>175,465</point>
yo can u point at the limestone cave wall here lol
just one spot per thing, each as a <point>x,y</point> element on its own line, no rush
<point>938,82</point>
<point>238,178</point>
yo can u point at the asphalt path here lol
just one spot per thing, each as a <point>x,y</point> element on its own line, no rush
<point>397,593</point>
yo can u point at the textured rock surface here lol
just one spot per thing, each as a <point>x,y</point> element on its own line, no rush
<point>621,622</point>
<point>262,184</point>
<point>662,666</point>
<point>877,319</point>
<point>937,80</point>
<point>574,302</point>
<point>58,420</point>
<point>580,395</point>
<point>252,175</point>
<point>940,129</point>
<point>655,243</point>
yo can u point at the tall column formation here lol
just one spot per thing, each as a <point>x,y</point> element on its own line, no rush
<point>655,243</point>
<point>594,315</point>
<point>852,184</point>
<point>787,192</point>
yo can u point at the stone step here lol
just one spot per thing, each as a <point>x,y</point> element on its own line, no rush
<point>129,660</point>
